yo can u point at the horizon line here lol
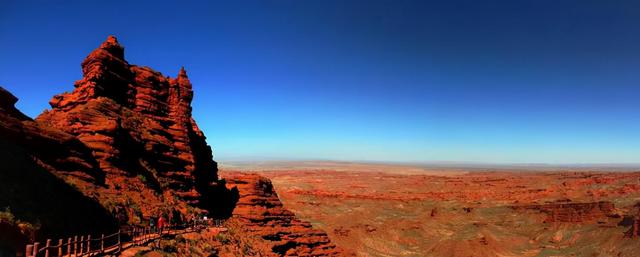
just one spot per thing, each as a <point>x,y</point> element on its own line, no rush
<point>436,164</point>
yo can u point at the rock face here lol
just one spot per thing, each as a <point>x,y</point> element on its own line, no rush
<point>136,122</point>
<point>634,229</point>
<point>54,149</point>
<point>573,212</point>
<point>35,160</point>
<point>264,215</point>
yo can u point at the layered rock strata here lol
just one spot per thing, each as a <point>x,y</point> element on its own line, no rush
<point>573,212</point>
<point>264,214</point>
<point>136,122</point>
<point>54,149</point>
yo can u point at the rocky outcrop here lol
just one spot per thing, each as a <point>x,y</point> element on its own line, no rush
<point>136,122</point>
<point>7,106</point>
<point>633,221</point>
<point>634,231</point>
<point>264,214</point>
<point>35,201</point>
<point>54,149</point>
<point>124,137</point>
<point>573,212</point>
<point>13,237</point>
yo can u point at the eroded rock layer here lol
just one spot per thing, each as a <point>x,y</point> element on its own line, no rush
<point>264,214</point>
<point>35,201</point>
<point>53,148</point>
<point>573,212</point>
<point>136,122</point>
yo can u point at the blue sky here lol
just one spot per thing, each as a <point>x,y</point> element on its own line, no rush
<point>471,81</point>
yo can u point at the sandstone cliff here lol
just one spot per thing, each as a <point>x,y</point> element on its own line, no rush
<point>573,212</point>
<point>262,213</point>
<point>56,150</point>
<point>136,122</point>
<point>35,201</point>
<point>138,126</point>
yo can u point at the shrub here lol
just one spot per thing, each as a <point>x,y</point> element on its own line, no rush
<point>223,238</point>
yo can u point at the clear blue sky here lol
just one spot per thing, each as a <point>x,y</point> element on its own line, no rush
<point>481,81</point>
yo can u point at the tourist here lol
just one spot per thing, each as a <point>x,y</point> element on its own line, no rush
<point>152,224</point>
<point>161,224</point>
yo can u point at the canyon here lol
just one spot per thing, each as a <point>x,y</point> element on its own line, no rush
<point>409,210</point>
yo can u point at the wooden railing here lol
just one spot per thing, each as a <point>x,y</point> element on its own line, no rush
<point>109,244</point>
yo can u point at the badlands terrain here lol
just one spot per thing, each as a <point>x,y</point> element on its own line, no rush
<point>121,148</point>
<point>397,210</point>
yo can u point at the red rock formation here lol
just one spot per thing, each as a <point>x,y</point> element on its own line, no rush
<point>634,230</point>
<point>7,105</point>
<point>13,237</point>
<point>54,149</point>
<point>573,212</point>
<point>37,162</point>
<point>136,122</point>
<point>264,215</point>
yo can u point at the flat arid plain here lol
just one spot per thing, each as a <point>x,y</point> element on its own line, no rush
<point>379,209</point>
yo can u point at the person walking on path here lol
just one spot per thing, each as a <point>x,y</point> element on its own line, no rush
<point>161,223</point>
<point>152,224</point>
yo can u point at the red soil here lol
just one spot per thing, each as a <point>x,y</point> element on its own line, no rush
<point>480,213</point>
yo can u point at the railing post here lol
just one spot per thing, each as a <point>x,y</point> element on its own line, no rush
<point>69,246</point>
<point>46,248</point>
<point>75,246</point>
<point>81,245</point>
<point>102,243</point>
<point>28,251</point>
<point>119,242</point>
<point>35,249</point>
<point>88,243</point>
<point>60,247</point>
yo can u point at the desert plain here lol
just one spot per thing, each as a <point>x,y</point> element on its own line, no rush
<point>405,210</point>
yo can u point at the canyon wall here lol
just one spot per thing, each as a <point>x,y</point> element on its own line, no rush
<point>573,212</point>
<point>35,201</point>
<point>262,213</point>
